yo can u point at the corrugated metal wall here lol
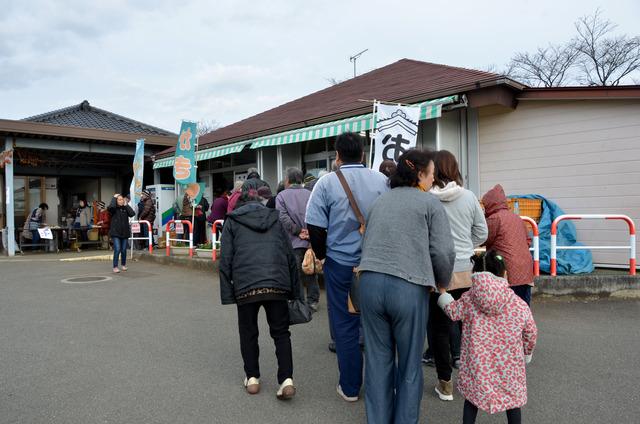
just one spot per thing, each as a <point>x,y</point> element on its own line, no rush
<point>584,155</point>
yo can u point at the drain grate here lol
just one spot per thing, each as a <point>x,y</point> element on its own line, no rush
<point>86,280</point>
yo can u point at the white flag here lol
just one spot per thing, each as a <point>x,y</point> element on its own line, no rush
<point>135,190</point>
<point>396,132</point>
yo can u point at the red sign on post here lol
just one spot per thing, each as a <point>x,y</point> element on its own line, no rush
<point>135,227</point>
<point>179,228</point>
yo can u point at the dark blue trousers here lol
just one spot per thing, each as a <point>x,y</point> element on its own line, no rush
<point>345,326</point>
<point>394,316</point>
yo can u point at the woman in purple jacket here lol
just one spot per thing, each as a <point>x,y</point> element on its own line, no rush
<point>292,204</point>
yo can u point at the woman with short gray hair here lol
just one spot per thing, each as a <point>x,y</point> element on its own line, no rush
<point>292,204</point>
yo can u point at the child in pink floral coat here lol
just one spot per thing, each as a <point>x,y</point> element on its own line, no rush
<point>498,338</point>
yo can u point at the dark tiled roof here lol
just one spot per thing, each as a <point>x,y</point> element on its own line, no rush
<point>86,116</point>
<point>404,79</point>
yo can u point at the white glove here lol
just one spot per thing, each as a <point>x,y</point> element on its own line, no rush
<point>528,358</point>
<point>444,300</point>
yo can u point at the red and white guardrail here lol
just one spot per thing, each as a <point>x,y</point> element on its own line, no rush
<point>179,230</point>
<point>536,244</point>
<point>215,243</point>
<point>631,247</point>
<point>135,229</point>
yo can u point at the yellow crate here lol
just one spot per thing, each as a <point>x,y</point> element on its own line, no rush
<point>526,207</point>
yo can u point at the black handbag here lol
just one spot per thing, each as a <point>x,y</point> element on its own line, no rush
<point>299,312</point>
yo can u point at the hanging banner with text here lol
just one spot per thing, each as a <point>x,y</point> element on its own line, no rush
<point>184,165</point>
<point>396,132</point>
<point>135,190</point>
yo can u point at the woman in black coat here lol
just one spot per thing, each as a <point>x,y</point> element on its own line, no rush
<point>258,269</point>
<point>120,230</point>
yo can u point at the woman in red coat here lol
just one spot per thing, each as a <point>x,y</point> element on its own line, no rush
<point>508,235</point>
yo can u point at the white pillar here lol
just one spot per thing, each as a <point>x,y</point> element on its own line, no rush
<point>156,176</point>
<point>259,162</point>
<point>8,176</point>
<point>279,164</point>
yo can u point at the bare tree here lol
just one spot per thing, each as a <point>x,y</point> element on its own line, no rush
<point>494,69</point>
<point>605,59</point>
<point>206,126</point>
<point>548,67</point>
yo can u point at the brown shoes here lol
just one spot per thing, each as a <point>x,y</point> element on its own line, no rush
<point>252,385</point>
<point>444,389</point>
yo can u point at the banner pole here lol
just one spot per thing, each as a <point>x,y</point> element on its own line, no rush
<point>373,133</point>
<point>193,211</point>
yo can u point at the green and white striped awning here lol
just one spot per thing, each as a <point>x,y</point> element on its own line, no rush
<point>163,163</point>
<point>428,110</point>
<point>205,154</point>
<point>329,129</point>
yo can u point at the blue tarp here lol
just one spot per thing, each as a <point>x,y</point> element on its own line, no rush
<point>569,261</point>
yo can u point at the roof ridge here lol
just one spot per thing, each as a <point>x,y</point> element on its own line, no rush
<point>492,74</point>
<point>86,106</point>
<point>130,120</point>
<point>54,113</point>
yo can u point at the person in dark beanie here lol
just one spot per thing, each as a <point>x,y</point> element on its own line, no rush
<point>258,269</point>
<point>120,231</point>
<point>253,181</point>
<point>309,181</point>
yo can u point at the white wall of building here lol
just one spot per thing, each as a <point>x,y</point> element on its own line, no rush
<point>583,155</point>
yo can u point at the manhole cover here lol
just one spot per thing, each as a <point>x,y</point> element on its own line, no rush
<point>86,280</point>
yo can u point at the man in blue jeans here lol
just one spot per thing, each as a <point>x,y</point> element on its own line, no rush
<point>336,239</point>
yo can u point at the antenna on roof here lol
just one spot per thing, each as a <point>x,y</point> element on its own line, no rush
<point>354,58</point>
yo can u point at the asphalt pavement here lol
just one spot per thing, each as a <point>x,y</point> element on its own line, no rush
<point>154,345</point>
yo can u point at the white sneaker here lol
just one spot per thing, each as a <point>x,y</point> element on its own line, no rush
<point>287,390</point>
<point>116,270</point>
<point>252,385</point>
<point>345,397</point>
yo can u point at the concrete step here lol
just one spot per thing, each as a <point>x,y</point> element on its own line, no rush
<point>599,283</point>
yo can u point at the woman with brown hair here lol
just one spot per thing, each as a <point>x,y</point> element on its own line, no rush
<point>468,229</point>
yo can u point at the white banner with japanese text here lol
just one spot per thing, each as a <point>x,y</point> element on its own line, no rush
<point>396,132</point>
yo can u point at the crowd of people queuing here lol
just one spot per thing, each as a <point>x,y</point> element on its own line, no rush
<point>405,236</point>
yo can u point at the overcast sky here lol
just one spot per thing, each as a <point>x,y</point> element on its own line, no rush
<point>160,61</point>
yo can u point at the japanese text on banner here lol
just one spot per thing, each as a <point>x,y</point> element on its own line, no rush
<point>184,167</point>
<point>396,132</point>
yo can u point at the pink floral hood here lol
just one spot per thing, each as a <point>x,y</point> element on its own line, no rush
<point>489,293</point>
